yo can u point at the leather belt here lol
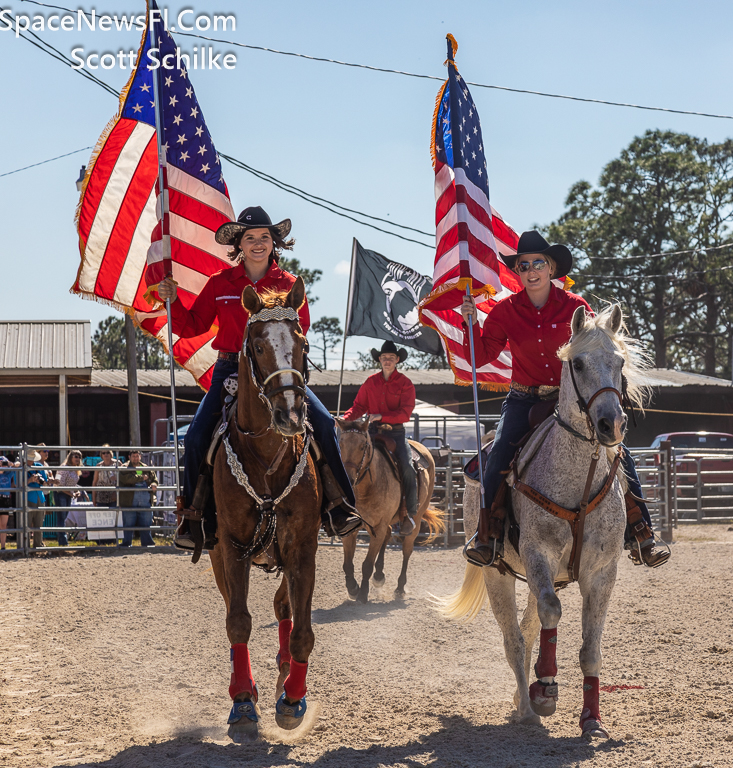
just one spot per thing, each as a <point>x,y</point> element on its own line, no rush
<point>544,391</point>
<point>232,357</point>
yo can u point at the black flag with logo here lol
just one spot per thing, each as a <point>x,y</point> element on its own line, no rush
<point>384,299</point>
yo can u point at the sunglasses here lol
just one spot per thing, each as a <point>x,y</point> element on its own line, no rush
<point>538,264</point>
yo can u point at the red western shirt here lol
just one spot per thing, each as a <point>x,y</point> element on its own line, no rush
<point>220,301</point>
<point>394,398</point>
<point>534,335</point>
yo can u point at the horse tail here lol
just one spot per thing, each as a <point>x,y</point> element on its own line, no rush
<point>435,518</point>
<point>467,603</point>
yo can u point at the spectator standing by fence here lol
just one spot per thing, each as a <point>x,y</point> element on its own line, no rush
<point>68,475</point>
<point>143,483</point>
<point>107,476</point>
<point>37,477</point>
<point>7,481</point>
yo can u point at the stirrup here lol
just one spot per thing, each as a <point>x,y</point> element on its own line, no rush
<point>637,557</point>
<point>495,552</point>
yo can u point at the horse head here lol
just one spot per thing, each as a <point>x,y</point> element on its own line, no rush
<point>276,348</point>
<point>356,446</point>
<point>601,373</point>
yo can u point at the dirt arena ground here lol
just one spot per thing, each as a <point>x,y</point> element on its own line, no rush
<point>122,660</point>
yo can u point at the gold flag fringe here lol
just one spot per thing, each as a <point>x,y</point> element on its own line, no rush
<point>438,99</point>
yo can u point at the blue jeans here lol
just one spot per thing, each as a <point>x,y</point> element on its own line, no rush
<point>198,436</point>
<point>513,425</point>
<point>139,518</point>
<point>64,499</point>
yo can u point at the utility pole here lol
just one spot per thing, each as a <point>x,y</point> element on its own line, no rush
<point>133,405</point>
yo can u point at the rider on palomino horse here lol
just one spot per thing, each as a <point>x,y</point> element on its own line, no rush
<point>389,397</point>
<point>536,323</point>
<point>256,247</point>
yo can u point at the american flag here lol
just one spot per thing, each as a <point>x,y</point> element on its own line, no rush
<point>470,235</point>
<point>117,217</point>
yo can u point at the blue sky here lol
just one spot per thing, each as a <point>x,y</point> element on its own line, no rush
<point>357,137</point>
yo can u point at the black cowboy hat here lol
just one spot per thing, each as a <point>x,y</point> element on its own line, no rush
<point>253,217</point>
<point>533,242</point>
<point>389,347</point>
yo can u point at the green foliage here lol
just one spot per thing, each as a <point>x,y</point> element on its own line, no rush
<point>109,347</point>
<point>310,276</point>
<point>666,192</point>
<point>328,331</point>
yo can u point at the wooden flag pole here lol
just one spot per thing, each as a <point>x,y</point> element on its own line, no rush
<point>346,323</point>
<point>163,200</point>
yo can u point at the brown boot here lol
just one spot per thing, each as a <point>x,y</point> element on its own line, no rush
<point>338,517</point>
<point>489,542</point>
<point>643,549</point>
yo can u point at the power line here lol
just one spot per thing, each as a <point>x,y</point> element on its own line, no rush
<point>43,162</point>
<point>468,82</point>
<point>329,202</point>
<point>429,77</point>
<point>260,174</point>
<point>665,253</point>
<point>284,187</point>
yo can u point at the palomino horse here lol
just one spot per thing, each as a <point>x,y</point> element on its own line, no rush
<point>599,363</point>
<point>378,494</point>
<point>268,500</point>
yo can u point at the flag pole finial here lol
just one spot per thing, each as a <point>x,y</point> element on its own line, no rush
<point>452,47</point>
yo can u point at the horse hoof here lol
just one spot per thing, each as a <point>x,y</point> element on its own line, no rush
<point>243,722</point>
<point>379,583</point>
<point>592,729</point>
<point>289,716</point>
<point>543,698</point>
<point>362,596</point>
<point>530,719</point>
<point>353,593</point>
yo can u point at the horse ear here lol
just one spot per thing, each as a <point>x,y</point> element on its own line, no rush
<point>365,419</point>
<point>578,322</point>
<point>251,300</point>
<point>614,322</point>
<point>340,422</point>
<point>296,297</point>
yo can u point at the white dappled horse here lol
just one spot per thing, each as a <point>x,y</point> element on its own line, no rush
<point>557,463</point>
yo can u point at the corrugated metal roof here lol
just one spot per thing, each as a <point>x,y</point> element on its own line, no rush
<point>657,377</point>
<point>62,346</point>
<point>117,378</point>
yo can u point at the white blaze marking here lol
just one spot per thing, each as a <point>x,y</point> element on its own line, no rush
<point>281,340</point>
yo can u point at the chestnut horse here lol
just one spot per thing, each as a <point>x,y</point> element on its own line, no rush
<point>378,494</point>
<point>268,499</point>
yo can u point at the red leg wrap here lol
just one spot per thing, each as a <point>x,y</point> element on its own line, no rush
<point>546,665</point>
<point>241,680</point>
<point>295,682</point>
<point>591,707</point>
<point>285,627</point>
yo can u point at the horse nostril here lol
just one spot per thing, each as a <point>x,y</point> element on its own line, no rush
<point>605,426</point>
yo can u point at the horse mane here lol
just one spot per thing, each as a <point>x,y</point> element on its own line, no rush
<point>597,334</point>
<point>271,297</point>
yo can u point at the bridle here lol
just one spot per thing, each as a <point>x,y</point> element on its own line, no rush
<point>269,314</point>
<point>585,406</point>
<point>359,475</point>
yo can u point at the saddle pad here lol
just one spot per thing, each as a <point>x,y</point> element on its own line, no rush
<point>471,468</point>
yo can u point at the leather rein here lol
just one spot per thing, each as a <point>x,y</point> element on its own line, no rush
<point>364,465</point>
<point>265,532</point>
<point>576,517</point>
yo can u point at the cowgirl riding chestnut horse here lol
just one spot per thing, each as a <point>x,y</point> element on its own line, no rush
<point>256,245</point>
